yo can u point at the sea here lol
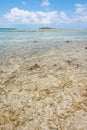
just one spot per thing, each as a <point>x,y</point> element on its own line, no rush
<point>19,41</point>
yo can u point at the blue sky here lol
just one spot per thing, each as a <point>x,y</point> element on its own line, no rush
<point>37,13</point>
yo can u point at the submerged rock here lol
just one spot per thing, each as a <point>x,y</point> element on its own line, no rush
<point>68,41</point>
<point>35,41</point>
<point>85,47</point>
<point>34,67</point>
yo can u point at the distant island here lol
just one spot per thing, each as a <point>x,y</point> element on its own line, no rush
<point>42,29</point>
<point>47,29</point>
<point>7,29</point>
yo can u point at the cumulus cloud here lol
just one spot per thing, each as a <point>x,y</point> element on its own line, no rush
<point>81,9</point>
<point>45,3</point>
<point>20,16</point>
<point>80,13</point>
<point>27,17</point>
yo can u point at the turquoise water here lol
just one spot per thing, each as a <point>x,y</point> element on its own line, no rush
<point>12,35</point>
<point>25,42</point>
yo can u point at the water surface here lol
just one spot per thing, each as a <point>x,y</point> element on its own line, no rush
<point>14,41</point>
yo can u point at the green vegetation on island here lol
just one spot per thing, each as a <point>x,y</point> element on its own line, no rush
<point>7,29</point>
<point>46,28</point>
<point>49,29</point>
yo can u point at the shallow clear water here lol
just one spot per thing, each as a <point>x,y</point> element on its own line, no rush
<point>25,42</point>
<point>19,35</point>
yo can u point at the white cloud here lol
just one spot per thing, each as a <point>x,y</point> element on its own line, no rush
<point>27,17</point>
<point>80,14</point>
<point>45,3</point>
<point>81,9</point>
<point>20,16</point>
<point>63,17</point>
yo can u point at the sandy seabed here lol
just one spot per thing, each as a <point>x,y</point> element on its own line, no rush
<point>46,91</point>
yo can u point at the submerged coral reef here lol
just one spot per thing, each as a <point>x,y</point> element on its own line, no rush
<point>46,91</point>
